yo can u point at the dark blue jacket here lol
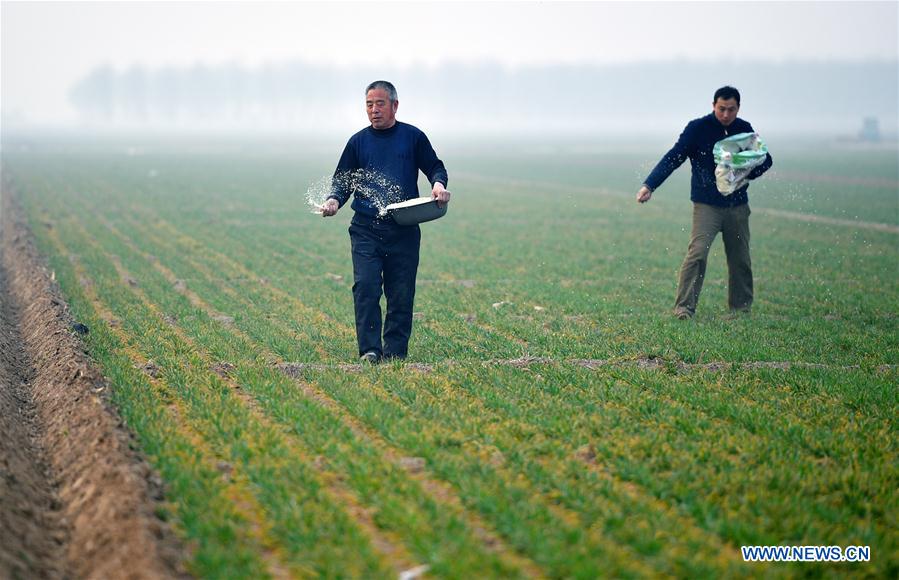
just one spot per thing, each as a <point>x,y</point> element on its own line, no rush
<point>390,160</point>
<point>696,142</point>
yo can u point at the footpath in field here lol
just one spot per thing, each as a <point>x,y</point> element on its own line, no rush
<point>75,500</point>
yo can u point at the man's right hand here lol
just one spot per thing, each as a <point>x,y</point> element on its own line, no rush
<point>644,194</point>
<point>330,207</point>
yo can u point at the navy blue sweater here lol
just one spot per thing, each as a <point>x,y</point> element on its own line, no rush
<point>696,142</point>
<point>391,159</point>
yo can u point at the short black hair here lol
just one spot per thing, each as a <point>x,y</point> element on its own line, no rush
<point>727,93</point>
<point>387,86</point>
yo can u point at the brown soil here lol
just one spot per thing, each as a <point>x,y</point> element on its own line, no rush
<point>295,370</point>
<point>76,501</point>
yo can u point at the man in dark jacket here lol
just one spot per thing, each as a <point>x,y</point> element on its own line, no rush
<point>380,165</point>
<point>712,211</point>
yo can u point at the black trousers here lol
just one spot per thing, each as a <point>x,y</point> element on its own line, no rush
<point>385,255</point>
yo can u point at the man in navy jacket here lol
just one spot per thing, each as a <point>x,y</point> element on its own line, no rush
<point>380,165</point>
<point>712,212</point>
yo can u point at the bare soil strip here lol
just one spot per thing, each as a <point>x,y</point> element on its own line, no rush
<point>29,505</point>
<point>78,501</point>
<point>649,363</point>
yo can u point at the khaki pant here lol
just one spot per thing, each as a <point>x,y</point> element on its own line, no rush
<point>733,223</point>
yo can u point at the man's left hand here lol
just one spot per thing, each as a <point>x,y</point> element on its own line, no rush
<point>440,194</point>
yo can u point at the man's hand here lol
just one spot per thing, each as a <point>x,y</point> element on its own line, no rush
<point>440,194</point>
<point>330,207</point>
<point>644,194</point>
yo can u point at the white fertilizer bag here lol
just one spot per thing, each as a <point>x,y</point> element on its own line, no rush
<point>736,157</point>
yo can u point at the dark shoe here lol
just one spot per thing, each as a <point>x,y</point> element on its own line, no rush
<point>371,358</point>
<point>736,313</point>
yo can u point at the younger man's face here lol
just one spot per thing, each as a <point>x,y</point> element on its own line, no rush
<point>725,110</point>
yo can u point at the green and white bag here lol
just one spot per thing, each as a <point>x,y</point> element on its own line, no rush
<point>735,158</point>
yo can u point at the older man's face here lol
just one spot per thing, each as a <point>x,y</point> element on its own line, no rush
<point>726,110</point>
<point>381,111</point>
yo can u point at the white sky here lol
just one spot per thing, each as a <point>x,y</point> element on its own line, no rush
<point>47,46</point>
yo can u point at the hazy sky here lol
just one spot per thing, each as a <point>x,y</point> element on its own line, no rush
<point>48,46</point>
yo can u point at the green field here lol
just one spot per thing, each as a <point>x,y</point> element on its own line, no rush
<point>561,423</point>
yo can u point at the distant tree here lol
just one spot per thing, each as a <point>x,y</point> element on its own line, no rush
<point>94,95</point>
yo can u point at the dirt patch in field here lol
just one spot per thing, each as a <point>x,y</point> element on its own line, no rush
<point>223,369</point>
<point>75,499</point>
<point>652,363</point>
<point>33,530</point>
